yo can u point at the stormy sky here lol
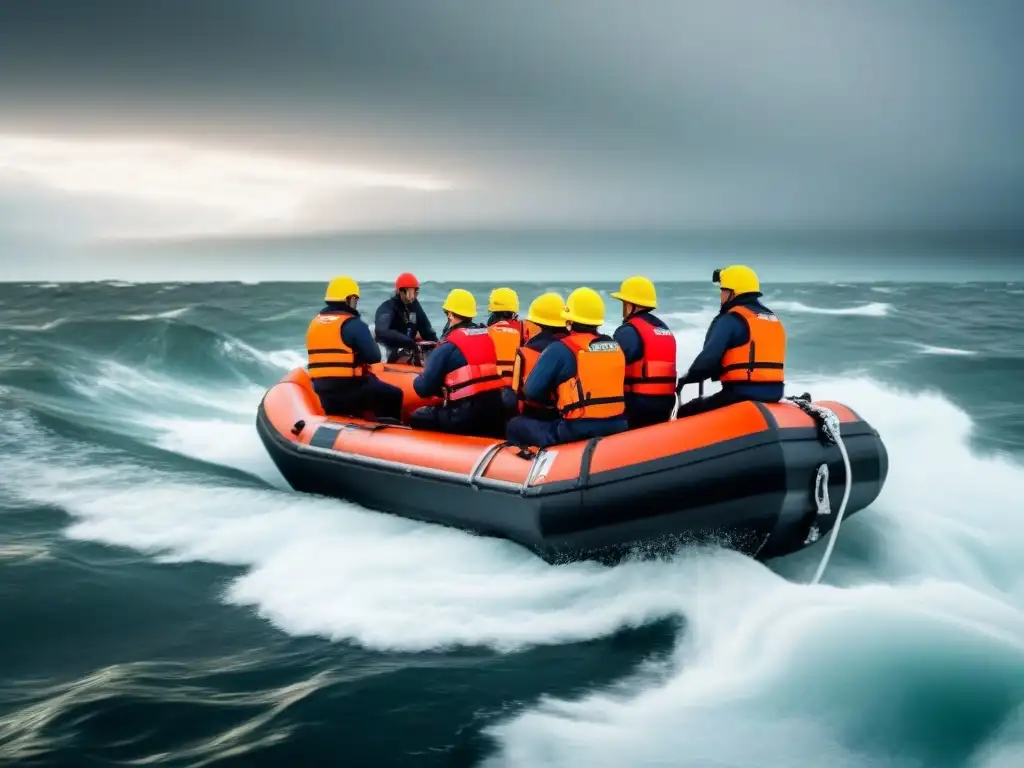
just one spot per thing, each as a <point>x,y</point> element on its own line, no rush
<point>249,118</point>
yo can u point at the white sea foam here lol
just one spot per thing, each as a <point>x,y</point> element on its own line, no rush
<point>764,660</point>
<point>150,394</point>
<point>169,314</point>
<point>873,309</point>
<point>47,326</point>
<point>285,359</point>
<point>927,349</point>
<point>925,583</point>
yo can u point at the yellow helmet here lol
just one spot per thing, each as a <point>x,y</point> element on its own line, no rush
<point>584,306</point>
<point>460,302</point>
<point>503,300</point>
<point>546,309</point>
<point>738,279</point>
<point>637,290</point>
<point>340,288</point>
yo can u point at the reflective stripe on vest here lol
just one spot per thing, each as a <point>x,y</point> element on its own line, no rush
<point>327,355</point>
<point>596,392</point>
<point>480,374</point>
<point>655,372</point>
<point>762,359</point>
<point>507,336</point>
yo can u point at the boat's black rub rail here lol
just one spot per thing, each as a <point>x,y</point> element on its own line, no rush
<point>756,491</point>
<point>325,435</point>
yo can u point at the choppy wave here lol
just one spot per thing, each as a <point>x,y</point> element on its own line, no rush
<point>873,309</point>
<point>855,677</point>
<point>43,718</point>
<point>929,624</point>
<point>911,652</point>
<point>928,349</point>
<point>169,314</point>
<point>940,583</point>
<point>49,325</point>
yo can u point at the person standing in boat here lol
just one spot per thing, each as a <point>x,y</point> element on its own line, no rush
<point>545,316</point>
<point>400,322</point>
<point>744,349</point>
<point>584,373</point>
<point>463,370</point>
<point>505,328</point>
<point>340,349</point>
<point>650,350</point>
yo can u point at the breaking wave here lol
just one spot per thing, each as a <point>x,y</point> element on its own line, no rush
<point>910,653</point>
<point>873,309</point>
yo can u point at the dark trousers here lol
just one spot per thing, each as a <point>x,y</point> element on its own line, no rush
<point>645,410</point>
<point>511,403</point>
<point>480,416</point>
<point>357,398</point>
<point>402,356</point>
<point>525,431</point>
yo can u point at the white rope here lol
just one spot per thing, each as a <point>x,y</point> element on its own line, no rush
<point>830,424</point>
<point>679,399</point>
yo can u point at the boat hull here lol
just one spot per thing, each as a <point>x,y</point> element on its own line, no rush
<point>742,477</point>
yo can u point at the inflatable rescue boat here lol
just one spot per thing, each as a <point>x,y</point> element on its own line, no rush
<point>762,479</point>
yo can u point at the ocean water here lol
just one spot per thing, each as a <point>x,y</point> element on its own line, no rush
<point>167,600</point>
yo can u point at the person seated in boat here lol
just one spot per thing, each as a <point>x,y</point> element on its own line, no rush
<point>505,328</point>
<point>650,350</point>
<point>400,323</point>
<point>340,349</point>
<point>584,373</point>
<point>744,349</point>
<point>545,315</point>
<point>463,369</point>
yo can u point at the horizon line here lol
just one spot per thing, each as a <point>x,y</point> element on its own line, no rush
<point>849,281</point>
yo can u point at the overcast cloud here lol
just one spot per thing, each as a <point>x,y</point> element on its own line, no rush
<point>724,114</point>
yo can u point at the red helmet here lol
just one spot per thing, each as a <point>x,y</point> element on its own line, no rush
<point>406,280</point>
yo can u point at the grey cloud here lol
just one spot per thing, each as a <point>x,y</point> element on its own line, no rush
<point>724,113</point>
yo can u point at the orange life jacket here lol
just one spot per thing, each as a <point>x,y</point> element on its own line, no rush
<point>526,359</point>
<point>328,356</point>
<point>761,359</point>
<point>480,373</point>
<point>530,329</point>
<point>597,389</point>
<point>507,335</point>
<point>655,372</point>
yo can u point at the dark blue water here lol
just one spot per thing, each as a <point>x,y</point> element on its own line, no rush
<point>167,600</point>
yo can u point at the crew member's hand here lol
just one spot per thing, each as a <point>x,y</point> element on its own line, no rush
<point>685,379</point>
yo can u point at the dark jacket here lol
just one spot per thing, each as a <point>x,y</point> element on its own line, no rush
<point>725,332</point>
<point>396,324</point>
<point>442,361</point>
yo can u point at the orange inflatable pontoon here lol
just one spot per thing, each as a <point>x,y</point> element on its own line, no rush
<point>745,476</point>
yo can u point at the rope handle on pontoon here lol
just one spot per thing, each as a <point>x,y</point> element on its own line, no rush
<point>830,428</point>
<point>679,398</point>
